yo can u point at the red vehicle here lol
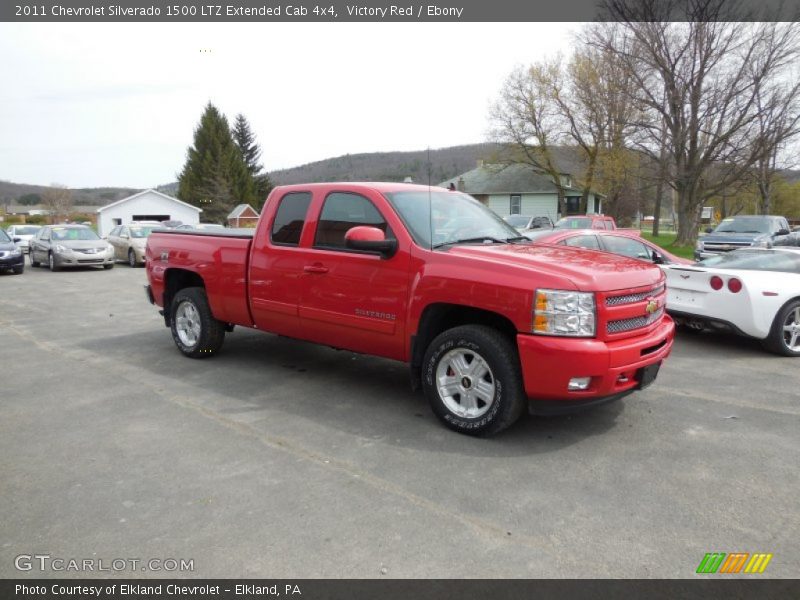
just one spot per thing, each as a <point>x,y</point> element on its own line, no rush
<point>587,222</point>
<point>622,241</point>
<point>488,322</point>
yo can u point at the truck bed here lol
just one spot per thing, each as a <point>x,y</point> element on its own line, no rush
<point>219,258</point>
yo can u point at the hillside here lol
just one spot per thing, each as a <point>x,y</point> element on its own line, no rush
<point>389,166</point>
<point>374,166</point>
<point>11,192</point>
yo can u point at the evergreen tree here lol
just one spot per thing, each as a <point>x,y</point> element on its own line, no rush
<point>215,176</point>
<point>251,153</point>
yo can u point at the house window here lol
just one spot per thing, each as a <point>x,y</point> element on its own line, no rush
<point>516,204</point>
<point>573,205</point>
<point>117,221</point>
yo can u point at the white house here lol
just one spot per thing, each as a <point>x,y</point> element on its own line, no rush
<point>520,190</point>
<point>149,205</point>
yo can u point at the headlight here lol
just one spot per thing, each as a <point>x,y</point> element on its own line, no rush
<point>699,246</point>
<point>560,312</point>
<point>762,243</point>
<point>61,249</point>
<point>16,252</point>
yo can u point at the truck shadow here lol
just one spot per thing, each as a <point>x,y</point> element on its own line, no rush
<point>364,397</point>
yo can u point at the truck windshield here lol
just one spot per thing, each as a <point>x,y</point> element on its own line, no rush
<point>574,223</point>
<point>439,218</point>
<point>743,225</point>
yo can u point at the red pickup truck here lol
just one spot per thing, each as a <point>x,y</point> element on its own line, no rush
<point>489,323</point>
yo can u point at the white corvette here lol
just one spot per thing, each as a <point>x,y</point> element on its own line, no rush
<point>751,292</point>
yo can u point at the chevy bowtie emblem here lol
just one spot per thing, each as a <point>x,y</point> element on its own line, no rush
<point>652,306</point>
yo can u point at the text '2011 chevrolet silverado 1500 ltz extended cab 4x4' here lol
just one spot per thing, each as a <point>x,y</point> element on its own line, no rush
<point>489,323</point>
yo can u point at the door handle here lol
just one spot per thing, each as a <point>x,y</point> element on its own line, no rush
<point>317,268</point>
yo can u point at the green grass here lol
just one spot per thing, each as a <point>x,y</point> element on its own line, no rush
<point>666,241</point>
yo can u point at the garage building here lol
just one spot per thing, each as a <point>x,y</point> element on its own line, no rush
<point>149,205</point>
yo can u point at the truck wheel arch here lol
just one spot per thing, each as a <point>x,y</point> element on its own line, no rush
<point>174,281</point>
<point>440,317</point>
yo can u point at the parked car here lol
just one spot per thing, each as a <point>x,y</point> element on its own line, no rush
<point>523,223</point>
<point>201,227</point>
<point>60,246</point>
<point>617,242</point>
<point>743,231</point>
<point>752,292</point>
<point>587,222</point>
<point>24,233</point>
<point>490,324</point>
<point>129,241</point>
<point>11,256</point>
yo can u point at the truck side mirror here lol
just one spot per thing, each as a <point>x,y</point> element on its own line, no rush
<point>369,239</point>
<point>783,232</point>
<point>16,240</point>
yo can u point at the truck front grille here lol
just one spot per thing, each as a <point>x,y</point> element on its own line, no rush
<point>631,298</point>
<point>622,325</point>
<point>725,247</point>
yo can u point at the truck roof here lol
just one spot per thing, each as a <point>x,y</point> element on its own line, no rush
<point>378,186</point>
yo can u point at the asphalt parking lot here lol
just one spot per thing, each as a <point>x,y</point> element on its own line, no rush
<point>283,459</point>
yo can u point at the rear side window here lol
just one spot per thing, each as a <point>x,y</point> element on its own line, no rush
<point>626,247</point>
<point>290,218</point>
<point>583,241</point>
<point>343,211</point>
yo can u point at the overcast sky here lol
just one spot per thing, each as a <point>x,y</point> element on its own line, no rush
<point>89,105</point>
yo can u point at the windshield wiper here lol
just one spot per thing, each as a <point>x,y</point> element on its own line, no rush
<point>482,238</point>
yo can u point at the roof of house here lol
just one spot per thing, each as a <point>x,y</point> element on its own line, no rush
<point>150,191</point>
<point>237,212</point>
<point>506,179</point>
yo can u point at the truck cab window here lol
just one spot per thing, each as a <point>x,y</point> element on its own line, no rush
<point>290,218</point>
<point>343,211</point>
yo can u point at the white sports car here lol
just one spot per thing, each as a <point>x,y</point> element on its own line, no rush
<point>752,292</point>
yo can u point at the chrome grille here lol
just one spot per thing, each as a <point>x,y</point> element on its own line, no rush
<point>631,298</point>
<point>622,325</point>
<point>726,247</point>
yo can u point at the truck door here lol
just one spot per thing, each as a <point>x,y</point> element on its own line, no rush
<point>351,299</point>
<point>276,267</point>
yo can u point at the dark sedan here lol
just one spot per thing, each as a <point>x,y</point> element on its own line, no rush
<point>11,257</point>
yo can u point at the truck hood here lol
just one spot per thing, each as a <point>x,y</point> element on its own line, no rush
<point>733,238</point>
<point>587,270</point>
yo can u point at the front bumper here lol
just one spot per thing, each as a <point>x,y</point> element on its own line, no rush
<point>615,367</point>
<point>9,262</point>
<point>76,259</point>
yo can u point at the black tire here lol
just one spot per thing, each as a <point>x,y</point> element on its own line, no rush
<point>211,333</point>
<point>131,258</point>
<point>776,341</point>
<point>34,263</point>
<point>107,267</point>
<point>504,377</point>
<point>51,262</point>
<point>19,270</point>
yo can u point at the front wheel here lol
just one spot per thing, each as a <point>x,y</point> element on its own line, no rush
<point>784,338</point>
<point>471,376</point>
<point>34,263</point>
<point>194,329</point>
<point>19,270</point>
<point>51,262</point>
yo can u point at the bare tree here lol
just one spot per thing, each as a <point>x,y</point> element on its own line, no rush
<point>697,86</point>
<point>528,124</point>
<point>57,199</point>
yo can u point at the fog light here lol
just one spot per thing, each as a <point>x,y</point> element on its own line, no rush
<point>579,383</point>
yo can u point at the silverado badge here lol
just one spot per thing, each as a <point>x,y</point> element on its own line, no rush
<point>652,306</point>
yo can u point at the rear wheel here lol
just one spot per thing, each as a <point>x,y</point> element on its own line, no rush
<point>472,378</point>
<point>131,258</point>
<point>784,338</point>
<point>194,329</point>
